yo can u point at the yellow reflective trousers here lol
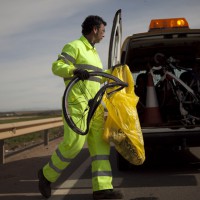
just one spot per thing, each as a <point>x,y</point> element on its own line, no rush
<point>71,146</point>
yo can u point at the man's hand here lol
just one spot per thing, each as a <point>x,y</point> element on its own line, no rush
<point>81,74</point>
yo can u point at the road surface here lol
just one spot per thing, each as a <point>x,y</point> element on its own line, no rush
<point>176,178</point>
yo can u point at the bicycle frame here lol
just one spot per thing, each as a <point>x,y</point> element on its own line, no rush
<point>168,75</point>
<point>181,97</point>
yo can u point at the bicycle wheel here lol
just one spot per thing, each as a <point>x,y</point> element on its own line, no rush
<point>86,104</point>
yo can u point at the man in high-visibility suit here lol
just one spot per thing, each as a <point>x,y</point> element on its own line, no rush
<point>77,58</point>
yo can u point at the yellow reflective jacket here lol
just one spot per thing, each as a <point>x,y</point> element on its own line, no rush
<point>79,54</point>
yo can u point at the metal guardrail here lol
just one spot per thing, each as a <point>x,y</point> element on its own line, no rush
<point>11,130</point>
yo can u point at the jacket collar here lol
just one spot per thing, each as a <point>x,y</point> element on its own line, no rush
<point>86,42</point>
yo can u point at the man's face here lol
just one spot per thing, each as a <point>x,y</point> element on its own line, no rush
<point>99,33</point>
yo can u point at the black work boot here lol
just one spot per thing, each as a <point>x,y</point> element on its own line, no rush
<point>44,185</point>
<point>107,194</point>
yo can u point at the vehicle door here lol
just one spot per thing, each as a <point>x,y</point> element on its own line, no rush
<point>114,54</point>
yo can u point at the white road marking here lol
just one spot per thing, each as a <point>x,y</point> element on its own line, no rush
<point>66,186</point>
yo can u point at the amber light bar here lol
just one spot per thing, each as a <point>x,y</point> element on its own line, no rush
<point>168,23</point>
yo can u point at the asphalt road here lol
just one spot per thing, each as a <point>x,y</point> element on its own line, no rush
<point>168,175</point>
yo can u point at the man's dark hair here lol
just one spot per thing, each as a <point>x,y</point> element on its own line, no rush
<point>90,22</point>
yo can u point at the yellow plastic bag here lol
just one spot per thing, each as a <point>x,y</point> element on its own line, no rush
<point>122,126</point>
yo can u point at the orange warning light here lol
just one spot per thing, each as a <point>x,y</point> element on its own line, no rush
<point>168,23</point>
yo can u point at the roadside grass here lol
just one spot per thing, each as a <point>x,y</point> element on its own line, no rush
<point>24,141</point>
<point>20,142</point>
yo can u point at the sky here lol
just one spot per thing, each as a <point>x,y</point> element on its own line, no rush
<point>33,33</point>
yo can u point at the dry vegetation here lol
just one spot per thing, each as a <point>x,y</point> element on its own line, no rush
<point>17,143</point>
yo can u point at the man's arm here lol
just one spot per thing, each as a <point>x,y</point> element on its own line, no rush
<point>64,66</point>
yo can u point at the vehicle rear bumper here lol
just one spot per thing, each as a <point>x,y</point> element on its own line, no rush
<point>172,137</point>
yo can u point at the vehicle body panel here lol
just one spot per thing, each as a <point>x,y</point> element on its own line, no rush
<point>138,52</point>
<point>115,41</point>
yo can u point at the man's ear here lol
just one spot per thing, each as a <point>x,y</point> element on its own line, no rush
<point>95,29</point>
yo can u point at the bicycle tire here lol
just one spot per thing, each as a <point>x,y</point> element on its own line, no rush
<point>91,104</point>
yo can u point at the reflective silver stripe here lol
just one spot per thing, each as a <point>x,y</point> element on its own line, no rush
<point>102,173</point>
<point>100,157</point>
<point>61,57</point>
<point>62,158</point>
<point>92,78</point>
<point>88,67</point>
<point>66,57</point>
<point>59,171</point>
